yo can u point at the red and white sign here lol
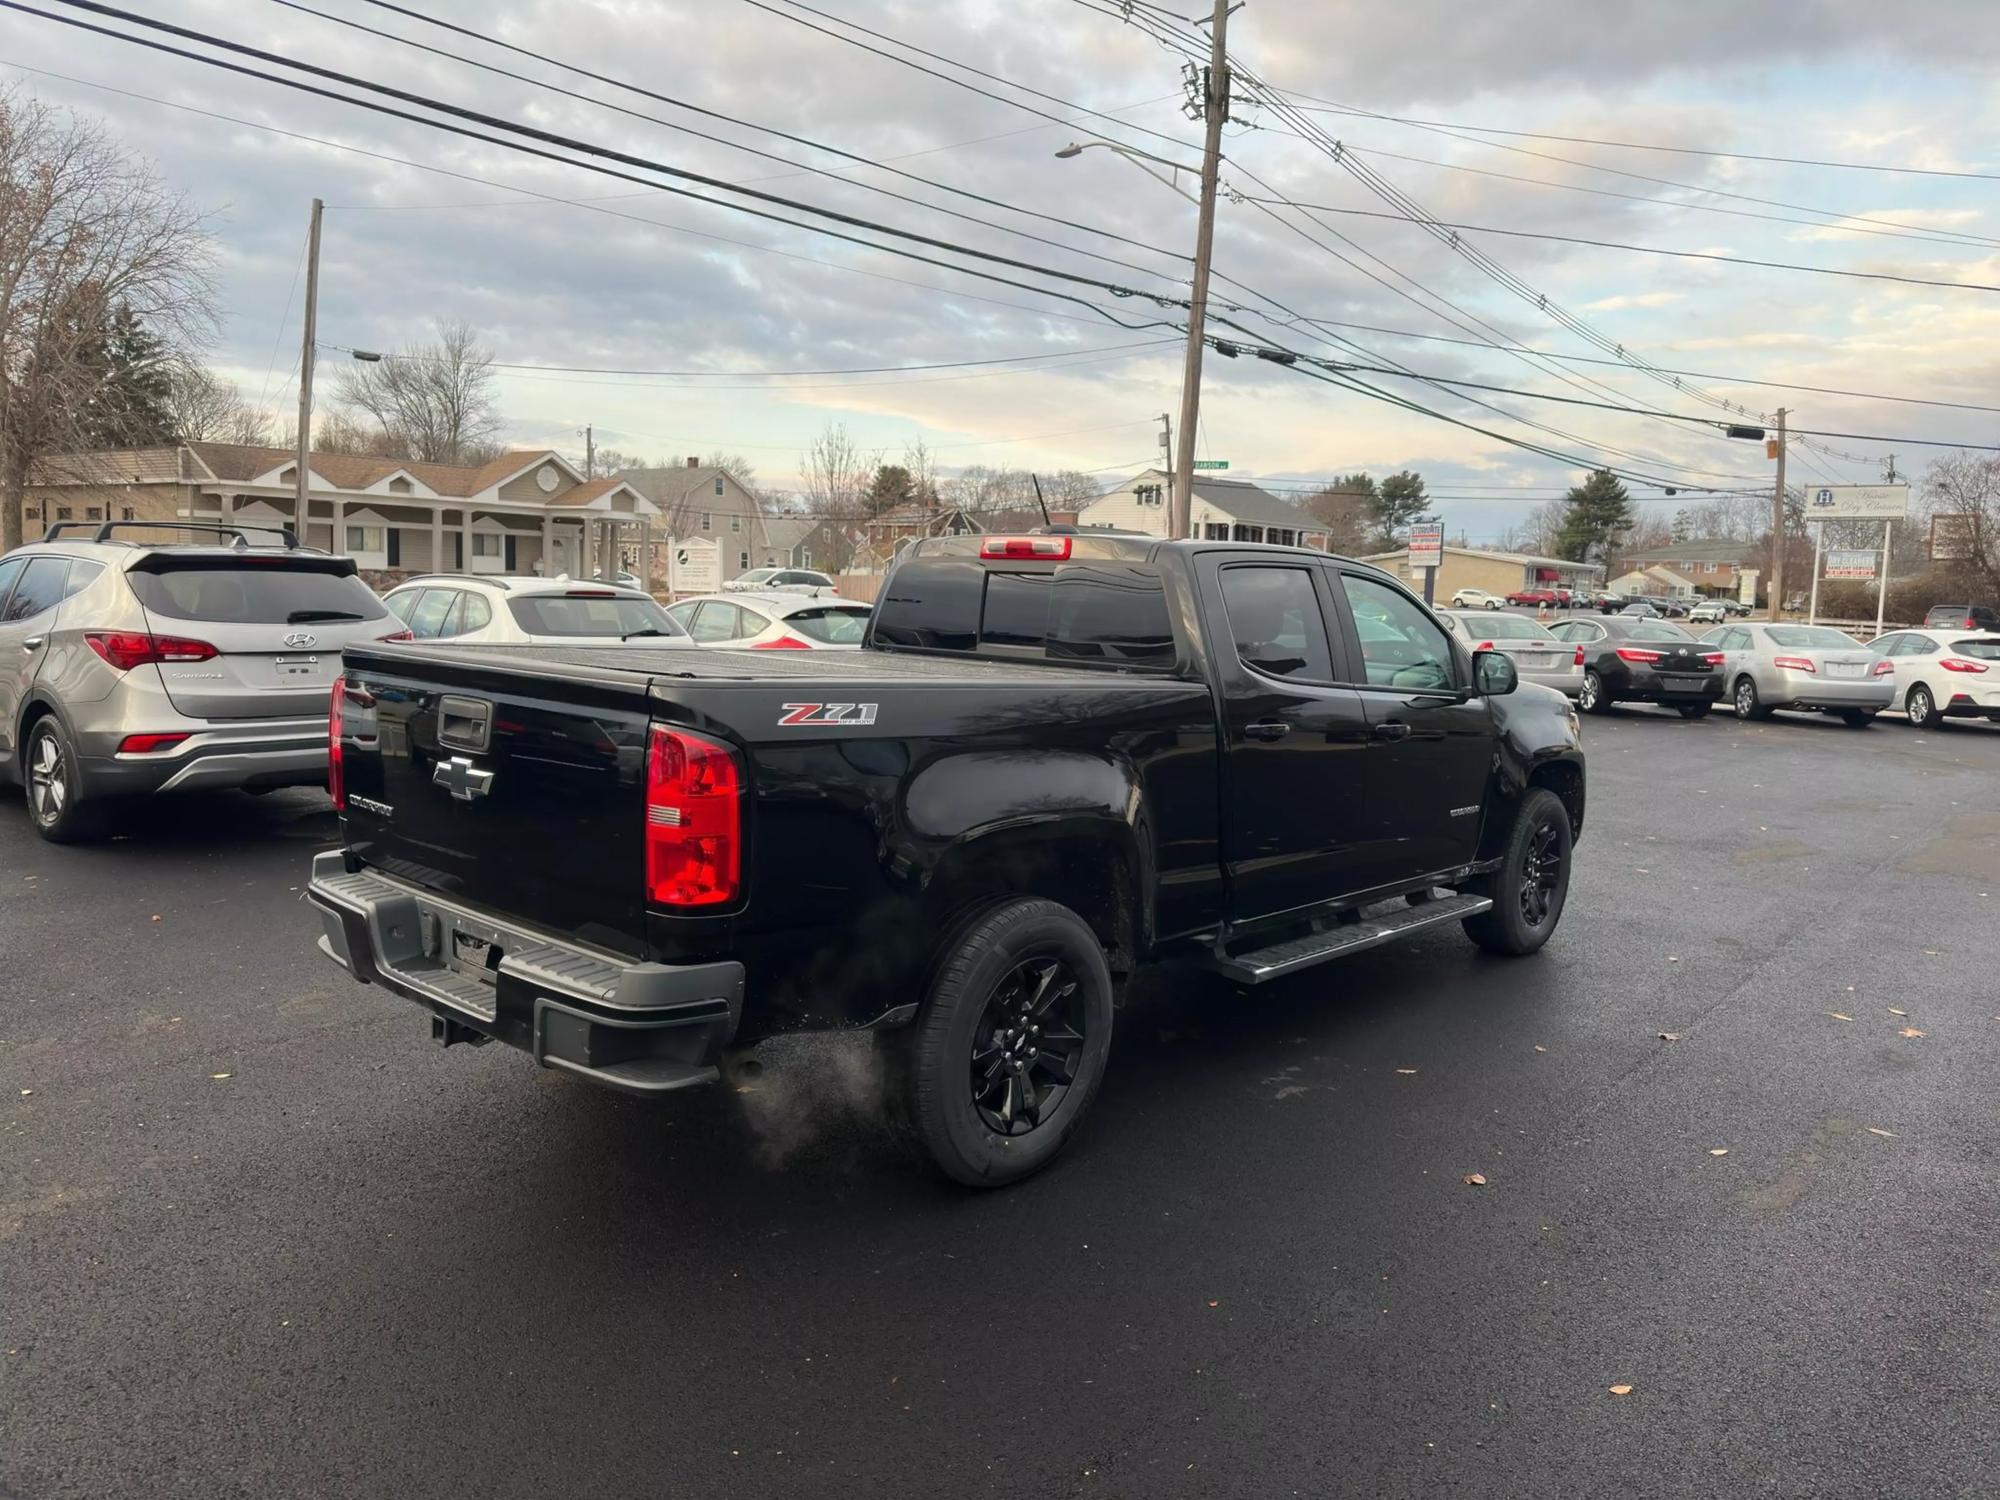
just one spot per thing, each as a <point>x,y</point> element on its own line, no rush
<point>1426,545</point>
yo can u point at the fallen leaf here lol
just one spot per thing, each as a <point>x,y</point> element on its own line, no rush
<point>1670,1036</point>
<point>1474,1179</point>
<point>1544,1049</point>
<point>26,1092</point>
<point>1912,1031</point>
<point>1215,1304</point>
<point>1719,1151</point>
<point>218,1075</point>
<point>1406,1072</point>
<point>1894,1012</point>
<point>1621,1390</point>
<point>1672,960</point>
<point>156,916</point>
<point>1878,1130</point>
<point>1838,1016</point>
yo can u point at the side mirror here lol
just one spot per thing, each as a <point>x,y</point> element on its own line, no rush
<point>1493,673</point>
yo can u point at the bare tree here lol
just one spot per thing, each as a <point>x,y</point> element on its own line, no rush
<point>435,403</point>
<point>207,409</point>
<point>737,467</point>
<point>1968,485</point>
<point>837,475</point>
<point>88,233</point>
<point>1070,489</point>
<point>1346,508</point>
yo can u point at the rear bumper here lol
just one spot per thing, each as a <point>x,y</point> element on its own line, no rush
<point>253,753</point>
<point>1803,690</point>
<point>642,1028</point>
<point>1568,681</point>
<point>1642,685</point>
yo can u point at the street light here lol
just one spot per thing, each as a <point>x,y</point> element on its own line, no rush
<point>1135,156</point>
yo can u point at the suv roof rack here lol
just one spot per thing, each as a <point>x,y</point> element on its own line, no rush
<point>291,537</point>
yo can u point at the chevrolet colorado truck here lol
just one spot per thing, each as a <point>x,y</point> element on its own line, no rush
<point>1057,757</point>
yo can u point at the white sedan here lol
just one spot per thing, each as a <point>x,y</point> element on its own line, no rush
<point>782,580</point>
<point>1476,599</point>
<point>772,621</point>
<point>1942,674</point>
<point>489,610</point>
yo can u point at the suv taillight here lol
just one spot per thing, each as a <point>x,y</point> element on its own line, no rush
<point>336,769</point>
<point>126,649</point>
<point>694,820</point>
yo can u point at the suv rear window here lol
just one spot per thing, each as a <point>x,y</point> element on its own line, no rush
<point>259,593</point>
<point>1986,650</point>
<point>1104,612</point>
<point>834,625</point>
<point>590,614</point>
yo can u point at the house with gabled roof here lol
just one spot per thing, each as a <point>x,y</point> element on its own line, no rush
<point>1222,510</point>
<point>529,510</point>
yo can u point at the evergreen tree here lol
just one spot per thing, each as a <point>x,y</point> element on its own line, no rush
<point>130,404</point>
<point>1399,502</point>
<point>891,489</point>
<point>1594,512</point>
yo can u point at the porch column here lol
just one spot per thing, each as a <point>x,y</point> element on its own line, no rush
<point>465,543</point>
<point>548,545</point>
<point>646,556</point>
<point>339,528</point>
<point>437,539</point>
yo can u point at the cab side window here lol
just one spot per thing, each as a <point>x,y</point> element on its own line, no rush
<point>1401,646</point>
<point>1276,622</point>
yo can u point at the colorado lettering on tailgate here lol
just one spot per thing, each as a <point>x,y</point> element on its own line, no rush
<point>819,715</point>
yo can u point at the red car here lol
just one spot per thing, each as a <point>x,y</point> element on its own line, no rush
<point>1534,596</point>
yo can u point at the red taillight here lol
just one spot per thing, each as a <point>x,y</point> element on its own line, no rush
<point>1969,624</point>
<point>145,744</point>
<point>1579,656</point>
<point>1794,664</point>
<point>336,770</point>
<point>1637,653</point>
<point>1883,668</point>
<point>694,820</point>
<point>126,649</point>
<point>1483,646</point>
<point>401,635</point>
<point>1042,548</point>
<point>1960,664</point>
<point>590,593</point>
<point>1713,658</point>
<point>782,643</point>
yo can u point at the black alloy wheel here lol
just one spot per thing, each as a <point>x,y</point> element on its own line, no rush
<point>1532,884</point>
<point>1543,875</point>
<point>1029,1045</point>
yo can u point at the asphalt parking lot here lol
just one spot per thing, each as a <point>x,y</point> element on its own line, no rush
<point>1738,1129</point>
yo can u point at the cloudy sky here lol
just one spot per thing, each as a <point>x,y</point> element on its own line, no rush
<point>558,265</point>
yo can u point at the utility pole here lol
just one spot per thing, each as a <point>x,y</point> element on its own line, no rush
<point>589,453</point>
<point>306,370</point>
<point>1778,527</point>
<point>1215,109</point>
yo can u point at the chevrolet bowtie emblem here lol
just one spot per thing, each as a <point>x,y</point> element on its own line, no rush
<point>462,778</point>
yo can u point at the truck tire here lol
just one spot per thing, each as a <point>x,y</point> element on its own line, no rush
<point>1532,883</point>
<point>1010,1045</point>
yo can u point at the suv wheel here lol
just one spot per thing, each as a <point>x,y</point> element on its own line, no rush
<point>1532,882</point>
<point>1921,708</point>
<point>55,787</point>
<point>1010,1046</point>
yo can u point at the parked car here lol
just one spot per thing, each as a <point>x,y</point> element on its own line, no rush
<point>1610,604</point>
<point>133,667</point>
<point>1941,674</point>
<point>766,580</point>
<point>488,610</point>
<point>1643,609</point>
<point>1633,659</point>
<point>1104,751</point>
<point>1736,608</point>
<point>1532,596</point>
<point>1812,667</point>
<point>763,621</point>
<point>1708,612</point>
<point>1537,655</point>
<point>1476,599</point>
<point>1962,617</point>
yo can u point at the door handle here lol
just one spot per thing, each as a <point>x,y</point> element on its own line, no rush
<point>1266,729</point>
<point>33,643</point>
<point>1393,729</point>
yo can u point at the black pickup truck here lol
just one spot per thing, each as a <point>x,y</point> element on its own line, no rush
<point>1057,757</point>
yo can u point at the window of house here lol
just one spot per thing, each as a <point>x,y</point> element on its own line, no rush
<point>64,512</point>
<point>1216,531</point>
<point>708,520</point>
<point>718,484</point>
<point>735,523</point>
<point>93,513</point>
<point>1249,533</point>
<point>487,544</point>
<point>399,487</point>
<point>365,539</point>
<point>742,562</point>
<point>126,513</point>
<point>1282,538</point>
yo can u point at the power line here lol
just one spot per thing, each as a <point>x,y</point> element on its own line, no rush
<point>447,126</point>
<point>1571,239</point>
<point>1327,106</point>
<point>554,88</point>
<point>952,364</point>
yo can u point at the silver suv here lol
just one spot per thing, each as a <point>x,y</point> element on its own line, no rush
<point>131,667</point>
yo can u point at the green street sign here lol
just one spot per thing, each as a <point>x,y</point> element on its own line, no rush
<point>1211,463</point>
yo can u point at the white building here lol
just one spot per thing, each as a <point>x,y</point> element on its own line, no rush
<point>1223,510</point>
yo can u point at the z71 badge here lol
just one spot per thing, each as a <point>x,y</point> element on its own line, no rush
<point>824,715</point>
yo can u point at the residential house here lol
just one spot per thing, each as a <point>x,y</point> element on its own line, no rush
<point>1501,573</point>
<point>883,536</point>
<point>1657,581</point>
<point>1222,510</point>
<point>1711,567</point>
<point>526,511</point>
<point>699,502</point>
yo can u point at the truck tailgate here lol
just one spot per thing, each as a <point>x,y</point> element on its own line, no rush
<point>516,788</point>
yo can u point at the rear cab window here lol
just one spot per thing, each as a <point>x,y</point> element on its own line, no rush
<point>590,614</point>
<point>1084,612</point>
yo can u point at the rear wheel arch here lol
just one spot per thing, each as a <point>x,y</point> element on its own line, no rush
<point>1090,866</point>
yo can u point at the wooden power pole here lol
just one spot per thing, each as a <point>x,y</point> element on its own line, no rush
<point>1215,109</point>
<point>306,372</point>
<point>1778,527</point>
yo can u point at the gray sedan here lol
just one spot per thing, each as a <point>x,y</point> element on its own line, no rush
<point>1537,655</point>
<point>1811,667</point>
